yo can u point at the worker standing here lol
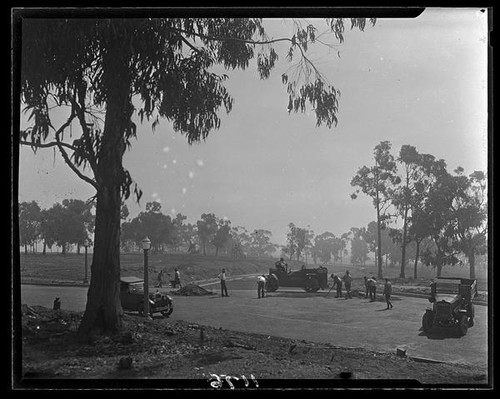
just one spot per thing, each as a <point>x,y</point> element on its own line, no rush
<point>223,287</point>
<point>387,293</point>
<point>347,283</point>
<point>261,283</point>
<point>338,283</point>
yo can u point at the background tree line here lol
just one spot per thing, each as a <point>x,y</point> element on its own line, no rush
<point>68,223</point>
<point>72,222</point>
<point>415,191</point>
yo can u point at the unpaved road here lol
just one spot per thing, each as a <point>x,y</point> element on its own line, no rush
<point>320,318</point>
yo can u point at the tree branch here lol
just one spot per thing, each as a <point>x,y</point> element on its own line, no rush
<point>61,146</point>
<point>47,145</point>
<point>72,165</point>
<point>222,38</point>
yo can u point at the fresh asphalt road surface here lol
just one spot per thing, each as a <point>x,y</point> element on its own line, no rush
<point>318,317</point>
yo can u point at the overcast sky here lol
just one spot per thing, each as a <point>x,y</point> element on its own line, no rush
<point>419,81</point>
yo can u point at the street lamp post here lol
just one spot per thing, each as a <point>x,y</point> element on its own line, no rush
<point>146,244</point>
<point>86,244</point>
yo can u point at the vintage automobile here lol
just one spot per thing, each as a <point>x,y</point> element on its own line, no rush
<point>311,280</point>
<point>452,306</point>
<point>132,298</point>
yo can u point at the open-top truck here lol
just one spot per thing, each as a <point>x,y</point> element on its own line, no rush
<point>451,299</point>
<point>311,280</point>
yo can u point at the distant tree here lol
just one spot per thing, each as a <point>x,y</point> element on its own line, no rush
<point>291,241</point>
<point>178,234</point>
<point>240,242</point>
<point>221,235</point>
<point>359,250</point>
<point>440,220</point>
<point>376,182</point>
<point>469,215</point>
<point>345,237</point>
<point>55,227</point>
<point>298,240</point>
<point>420,229</point>
<point>30,218</point>
<point>207,227</point>
<point>324,246</point>
<point>79,219</point>
<point>419,225</point>
<point>260,243</point>
<point>304,237</point>
<point>404,195</point>
<point>151,223</point>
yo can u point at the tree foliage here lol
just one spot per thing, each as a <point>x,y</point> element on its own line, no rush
<point>106,71</point>
<point>378,182</point>
<point>151,223</point>
<point>207,227</point>
<point>30,219</point>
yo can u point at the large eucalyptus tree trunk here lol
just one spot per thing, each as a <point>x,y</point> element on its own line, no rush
<point>103,311</point>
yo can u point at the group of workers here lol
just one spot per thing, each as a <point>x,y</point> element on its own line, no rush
<point>176,282</point>
<point>370,287</point>
<point>346,280</point>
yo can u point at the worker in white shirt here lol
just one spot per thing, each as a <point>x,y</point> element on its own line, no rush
<point>222,277</point>
<point>261,283</point>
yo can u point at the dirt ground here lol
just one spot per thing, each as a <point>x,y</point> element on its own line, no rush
<point>180,354</point>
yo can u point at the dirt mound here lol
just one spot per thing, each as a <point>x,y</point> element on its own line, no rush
<point>192,290</point>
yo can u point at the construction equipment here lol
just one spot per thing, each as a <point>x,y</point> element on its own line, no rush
<point>311,280</point>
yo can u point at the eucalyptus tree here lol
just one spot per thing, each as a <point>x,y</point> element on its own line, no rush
<point>324,246</point>
<point>377,182</point>
<point>439,219</point>
<point>424,173</point>
<point>79,221</point>
<point>206,228</point>
<point>403,196</point>
<point>260,243</point>
<point>30,219</point>
<point>359,246</point>
<point>222,234</point>
<point>103,72</point>
<point>469,210</point>
<point>152,223</point>
<point>291,241</point>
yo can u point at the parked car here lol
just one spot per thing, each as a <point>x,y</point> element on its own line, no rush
<point>452,306</point>
<point>132,298</point>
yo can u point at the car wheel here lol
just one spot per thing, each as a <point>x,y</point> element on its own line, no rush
<point>471,322</point>
<point>463,323</point>
<point>311,285</point>
<point>271,284</point>
<point>427,321</point>
<point>168,312</point>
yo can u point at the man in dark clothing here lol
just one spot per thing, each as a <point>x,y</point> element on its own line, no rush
<point>347,283</point>
<point>223,288</point>
<point>281,265</point>
<point>387,293</point>
<point>372,288</point>
<point>160,279</point>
